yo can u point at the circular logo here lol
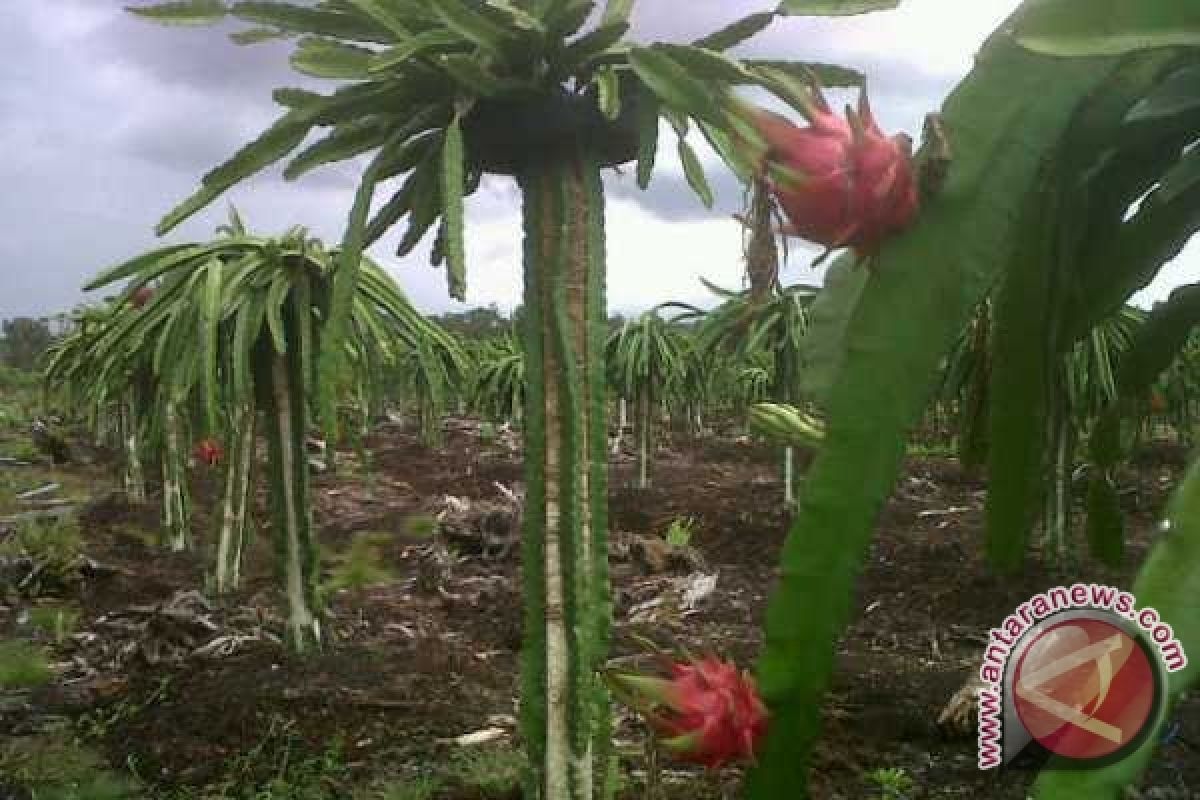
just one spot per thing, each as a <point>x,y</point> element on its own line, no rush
<point>1085,689</point>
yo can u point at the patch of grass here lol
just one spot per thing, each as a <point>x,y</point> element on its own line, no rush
<point>421,788</point>
<point>421,526</point>
<point>278,768</point>
<point>23,666</point>
<point>13,416</point>
<point>12,379</point>
<point>49,541</point>
<point>53,545</point>
<point>360,565</point>
<point>491,770</point>
<point>104,720</point>
<point>54,767</point>
<point>23,450</point>
<point>932,450</point>
<point>56,621</point>
<point>14,481</point>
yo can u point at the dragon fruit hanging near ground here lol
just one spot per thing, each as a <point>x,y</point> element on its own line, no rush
<point>709,712</point>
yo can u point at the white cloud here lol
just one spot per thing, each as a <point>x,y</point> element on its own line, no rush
<point>932,37</point>
<point>1184,269</point>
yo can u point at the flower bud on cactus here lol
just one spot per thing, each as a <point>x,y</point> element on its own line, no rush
<point>209,452</point>
<point>707,713</point>
<point>840,181</point>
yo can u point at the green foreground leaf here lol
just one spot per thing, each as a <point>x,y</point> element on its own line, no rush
<point>1108,27</point>
<point>1003,118</point>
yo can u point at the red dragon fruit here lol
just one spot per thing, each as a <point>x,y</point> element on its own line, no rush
<point>141,296</point>
<point>708,713</point>
<point>840,182</point>
<point>209,452</point>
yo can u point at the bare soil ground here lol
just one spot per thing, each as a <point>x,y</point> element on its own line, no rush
<point>408,668</point>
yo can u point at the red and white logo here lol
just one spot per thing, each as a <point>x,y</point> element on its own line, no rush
<point>1076,672</point>
<point>1085,688</point>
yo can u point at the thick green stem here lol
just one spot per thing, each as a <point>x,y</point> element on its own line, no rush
<point>295,544</point>
<point>622,423</point>
<point>789,489</point>
<point>643,426</point>
<point>234,503</point>
<point>132,477</point>
<point>565,715</point>
<point>1056,514</point>
<point>174,476</point>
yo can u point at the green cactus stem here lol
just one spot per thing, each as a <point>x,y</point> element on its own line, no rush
<point>645,424</point>
<point>234,503</point>
<point>132,477</point>
<point>174,478</point>
<point>565,714</point>
<point>295,544</point>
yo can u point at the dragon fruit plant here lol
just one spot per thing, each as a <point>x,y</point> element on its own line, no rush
<point>71,377</point>
<point>260,307</point>
<point>440,93</point>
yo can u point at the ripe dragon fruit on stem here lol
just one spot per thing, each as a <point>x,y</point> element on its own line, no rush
<point>707,713</point>
<point>840,181</point>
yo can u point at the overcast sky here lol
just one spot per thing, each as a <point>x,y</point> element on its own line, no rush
<point>107,121</point>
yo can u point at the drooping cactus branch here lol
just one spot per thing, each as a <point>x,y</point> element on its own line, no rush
<point>132,477</point>
<point>291,520</point>
<point>234,502</point>
<point>174,478</point>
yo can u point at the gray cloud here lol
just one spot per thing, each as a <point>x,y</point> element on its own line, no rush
<point>107,121</point>
<point>670,198</point>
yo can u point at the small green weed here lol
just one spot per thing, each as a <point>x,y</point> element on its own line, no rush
<point>23,666</point>
<point>56,621</point>
<point>894,783</point>
<point>679,533</point>
<point>421,526</point>
<point>359,566</point>
<point>487,433</point>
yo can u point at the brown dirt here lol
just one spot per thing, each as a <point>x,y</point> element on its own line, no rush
<point>406,671</point>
